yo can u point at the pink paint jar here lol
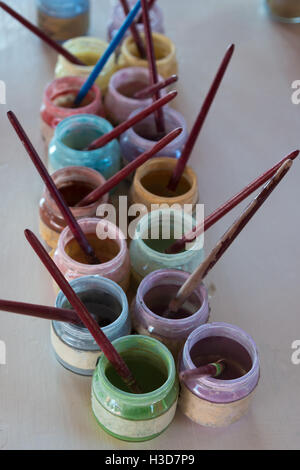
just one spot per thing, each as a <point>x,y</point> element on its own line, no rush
<point>222,400</point>
<point>57,101</point>
<point>119,101</point>
<point>111,250</point>
<point>153,296</point>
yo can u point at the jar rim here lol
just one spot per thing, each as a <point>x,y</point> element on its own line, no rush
<point>141,397</point>
<point>87,41</point>
<point>158,38</point>
<point>139,71</point>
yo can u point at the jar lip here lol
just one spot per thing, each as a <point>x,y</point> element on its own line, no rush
<point>138,398</point>
<point>173,113</point>
<point>188,173</point>
<point>201,292</point>
<point>103,283</point>
<point>88,41</point>
<point>210,382</point>
<point>139,71</point>
<point>102,124</point>
<point>166,256</point>
<point>160,38</point>
<point>120,241</point>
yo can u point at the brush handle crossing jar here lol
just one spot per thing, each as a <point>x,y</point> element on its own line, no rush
<point>88,50</point>
<point>71,138</point>
<point>136,417</point>
<point>73,345</point>
<point>119,100</point>
<point>214,401</point>
<point>165,54</point>
<point>73,182</point>
<point>155,232</point>
<point>57,103</point>
<point>150,182</point>
<point>62,20</point>
<point>118,17</point>
<point>151,302</point>
<point>111,250</point>
<point>143,136</point>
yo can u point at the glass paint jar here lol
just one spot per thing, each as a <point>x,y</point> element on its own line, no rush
<point>73,135</point>
<point>165,54</point>
<point>136,417</point>
<point>88,50</point>
<point>118,17</point>
<point>153,296</point>
<point>73,345</point>
<point>74,183</point>
<point>63,20</point>
<point>141,137</point>
<point>111,250</point>
<point>286,11</point>
<point>119,101</point>
<point>150,181</point>
<point>219,402</point>
<point>57,103</point>
<point>163,227</point>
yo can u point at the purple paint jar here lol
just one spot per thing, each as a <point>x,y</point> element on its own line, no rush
<point>142,137</point>
<point>119,100</point>
<point>153,296</point>
<point>223,400</point>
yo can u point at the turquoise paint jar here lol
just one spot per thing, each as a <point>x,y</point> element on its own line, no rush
<point>73,135</point>
<point>136,417</point>
<point>73,345</point>
<point>153,234</point>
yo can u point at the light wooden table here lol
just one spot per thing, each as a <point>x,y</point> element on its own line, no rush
<point>252,125</point>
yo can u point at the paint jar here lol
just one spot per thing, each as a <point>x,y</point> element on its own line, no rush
<point>118,17</point>
<point>111,250</point>
<point>150,182</point>
<point>136,417</point>
<point>165,54</point>
<point>286,11</point>
<point>149,310</point>
<point>63,20</point>
<point>143,136</point>
<point>88,50</point>
<point>155,232</point>
<point>57,103</point>
<point>74,183</point>
<point>74,346</point>
<point>119,102</point>
<point>73,135</point>
<point>222,400</point>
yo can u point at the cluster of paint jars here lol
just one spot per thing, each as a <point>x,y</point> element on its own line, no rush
<point>131,288</point>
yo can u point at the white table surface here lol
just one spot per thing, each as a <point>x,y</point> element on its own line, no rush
<point>252,125</point>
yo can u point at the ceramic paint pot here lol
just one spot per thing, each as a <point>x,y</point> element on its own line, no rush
<point>150,182</point>
<point>119,101</point>
<point>73,345</point>
<point>222,400</point>
<point>148,309</point>
<point>118,17</point>
<point>88,50</point>
<point>111,251</point>
<point>74,182</point>
<point>165,54</point>
<point>136,417</point>
<point>162,227</point>
<point>57,103</point>
<point>71,138</point>
<point>143,136</point>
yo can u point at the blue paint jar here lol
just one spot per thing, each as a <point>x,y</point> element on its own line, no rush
<point>63,20</point>
<point>74,134</point>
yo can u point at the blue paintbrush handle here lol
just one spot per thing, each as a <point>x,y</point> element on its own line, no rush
<point>110,49</point>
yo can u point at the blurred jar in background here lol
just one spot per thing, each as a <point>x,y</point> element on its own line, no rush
<point>287,11</point>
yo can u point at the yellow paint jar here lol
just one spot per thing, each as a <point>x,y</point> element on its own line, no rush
<point>88,50</point>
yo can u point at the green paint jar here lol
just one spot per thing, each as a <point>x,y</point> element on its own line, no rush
<point>136,417</point>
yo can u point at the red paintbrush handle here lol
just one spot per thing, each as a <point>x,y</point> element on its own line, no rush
<point>151,90</point>
<point>40,311</point>
<point>134,31</point>
<point>43,36</point>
